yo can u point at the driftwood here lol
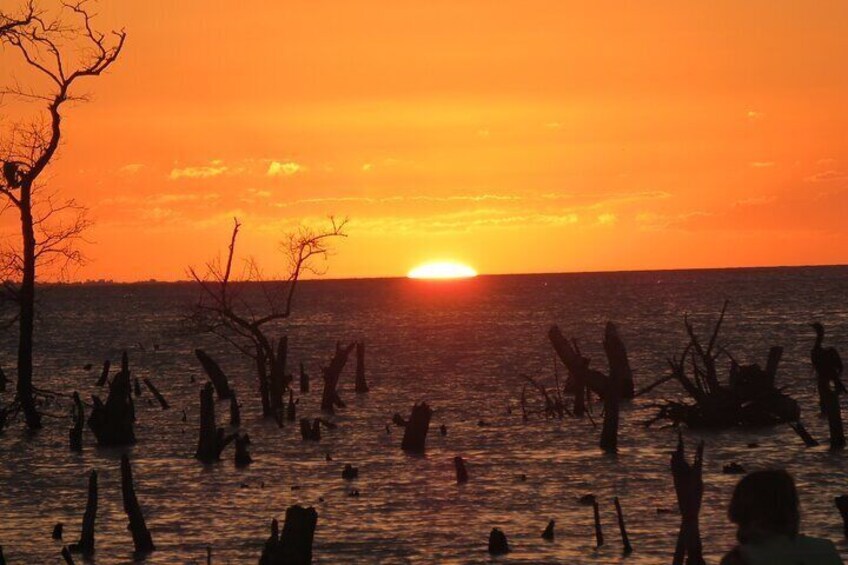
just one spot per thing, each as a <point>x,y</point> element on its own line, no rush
<point>215,374</point>
<point>141,536</point>
<point>415,432</point>
<point>75,433</point>
<point>361,384</point>
<point>689,487</point>
<point>330,398</point>
<point>112,423</point>
<point>85,545</point>
<point>294,545</point>
<point>304,379</point>
<point>212,439</point>
<point>750,397</point>
<point>104,374</point>
<point>159,398</point>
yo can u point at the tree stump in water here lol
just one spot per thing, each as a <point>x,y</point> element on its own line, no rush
<point>330,397</point>
<point>242,456</point>
<point>294,545</point>
<point>85,545</point>
<point>415,432</point>
<point>159,398</point>
<point>461,471</point>
<point>112,423</point>
<point>3,380</point>
<point>548,534</point>
<point>75,433</point>
<point>834,420</point>
<point>215,374</point>
<point>619,364</point>
<point>277,382</point>
<point>141,536</point>
<point>498,544</point>
<point>291,409</point>
<point>235,413</point>
<point>104,374</point>
<point>361,385</point>
<point>842,505</point>
<point>212,439</point>
<point>310,432</point>
<point>689,487</point>
<point>304,379</point>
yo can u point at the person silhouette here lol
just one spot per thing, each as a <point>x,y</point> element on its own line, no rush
<point>765,509</point>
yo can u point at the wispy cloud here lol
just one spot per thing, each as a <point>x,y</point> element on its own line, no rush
<point>762,164</point>
<point>213,169</point>
<point>825,176</point>
<point>283,168</point>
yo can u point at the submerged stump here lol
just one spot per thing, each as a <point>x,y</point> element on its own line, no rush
<point>113,422</point>
<point>85,545</point>
<point>294,545</point>
<point>141,535</point>
<point>415,432</point>
<point>215,374</point>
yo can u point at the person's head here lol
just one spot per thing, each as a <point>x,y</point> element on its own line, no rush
<point>764,504</point>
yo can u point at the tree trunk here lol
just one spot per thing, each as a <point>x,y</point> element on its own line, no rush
<point>212,439</point>
<point>104,374</point>
<point>618,363</point>
<point>361,385</point>
<point>294,545</point>
<point>304,379</point>
<point>141,536</point>
<point>264,389</point>
<point>215,373</point>
<point>161,399</point>
<point>86,541</point>
<point>330,398</point>
<point>689,487</point>
<point>75,433</point>
<point>277,379</point>
<point>112,423</point>
<point>26,296</point>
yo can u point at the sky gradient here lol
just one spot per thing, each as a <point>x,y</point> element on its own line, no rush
<point>525,136</point>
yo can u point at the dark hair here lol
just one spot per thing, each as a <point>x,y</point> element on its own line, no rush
<point>765,502</point>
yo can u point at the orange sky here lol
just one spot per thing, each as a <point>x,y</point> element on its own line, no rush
<point>517,136</point>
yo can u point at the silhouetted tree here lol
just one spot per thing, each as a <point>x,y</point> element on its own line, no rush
<point>224,309</point>
<point>60,47</point>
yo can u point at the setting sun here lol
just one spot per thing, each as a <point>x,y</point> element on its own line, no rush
<point>442,270</point>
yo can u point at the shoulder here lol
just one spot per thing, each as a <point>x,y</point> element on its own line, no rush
<point>733,557</point>
<point>819,546</point>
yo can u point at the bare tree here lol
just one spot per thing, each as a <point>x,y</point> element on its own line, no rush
<point>246,322</point>
<point>60,49</point>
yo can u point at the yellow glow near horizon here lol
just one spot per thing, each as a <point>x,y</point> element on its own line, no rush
<point>442,270</point>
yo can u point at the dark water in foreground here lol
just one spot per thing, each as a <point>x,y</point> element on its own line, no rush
<point>459,345</point>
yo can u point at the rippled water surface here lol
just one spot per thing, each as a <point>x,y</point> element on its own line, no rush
<point>462,347</point>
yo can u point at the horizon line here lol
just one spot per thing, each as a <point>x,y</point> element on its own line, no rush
<point>96,282</point>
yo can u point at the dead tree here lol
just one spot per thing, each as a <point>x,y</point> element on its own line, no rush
<point>498,544</point>
<point>625,540</point>
<point>223,308</point>
<point>59,49</point>
<point>750,396</point>
<point>461,471</point>
<point>619,364</point>
<point>113,423</point>
<point>85,545</point>
<point>235,412</point>
<point>75,433</point>
<point>415,432</point>
<point>242,456</point>
<point>3,380</point>
<point>841,502</point>
<point>361,384</point>
<point>330,397</point>
<point>294,545</point>
<point>141,536</point>
<point>689,487</point>
<point>215,374</point>
<point>212,439</point>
